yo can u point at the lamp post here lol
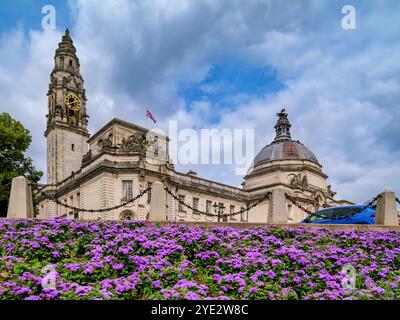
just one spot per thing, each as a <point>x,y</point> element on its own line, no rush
<point>219,209</point>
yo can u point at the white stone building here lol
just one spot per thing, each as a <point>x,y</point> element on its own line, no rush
<point>117,162</point>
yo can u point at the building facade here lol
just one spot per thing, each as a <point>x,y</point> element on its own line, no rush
<point>122,159</point>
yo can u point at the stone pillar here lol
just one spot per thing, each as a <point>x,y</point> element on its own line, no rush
<point>277,207</point>
<point>20,204</point>
<point>386,211</point>
<point>158,202</point>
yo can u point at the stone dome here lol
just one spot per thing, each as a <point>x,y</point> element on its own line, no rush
<point>283,147</point>
<point>285,150</point>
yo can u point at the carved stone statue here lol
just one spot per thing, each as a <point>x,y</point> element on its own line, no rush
<point>58,110</point>
<point>304,182</point>
<point>53,82</point>
<point>318,200</point>
<point>134,143</point>
<point>72,119</point>
<point>101,144</point>
<point>294,180</point>
<point>298,182</point>
<point>87,157</point>
<point>331,192</point>
<point>84,119</point>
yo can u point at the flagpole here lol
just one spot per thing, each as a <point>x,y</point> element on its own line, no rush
<point>146,118</point>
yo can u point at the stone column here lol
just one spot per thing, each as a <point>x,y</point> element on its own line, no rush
<point>386,211</point>
<point>158,202</point>
<point>20,204</point>
<point>277,207</point>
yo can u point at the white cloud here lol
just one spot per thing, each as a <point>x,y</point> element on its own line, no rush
<point>25,70</point>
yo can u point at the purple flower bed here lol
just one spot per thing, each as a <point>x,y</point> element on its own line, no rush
<point>133,260</point>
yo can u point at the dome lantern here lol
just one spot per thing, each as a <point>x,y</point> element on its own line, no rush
<point>283,147</point>
<point>282,127</point>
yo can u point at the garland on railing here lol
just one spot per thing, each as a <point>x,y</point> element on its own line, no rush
<point>222,214</point>
<point>96,210</point>
<point>373,200</point>
<point>298,205</point>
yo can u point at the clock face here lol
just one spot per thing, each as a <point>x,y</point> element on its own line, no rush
<point>72,102</point>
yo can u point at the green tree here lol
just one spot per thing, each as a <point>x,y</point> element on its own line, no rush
<point>14,140</point>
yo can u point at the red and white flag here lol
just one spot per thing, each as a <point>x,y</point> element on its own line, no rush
<point>150,115</point>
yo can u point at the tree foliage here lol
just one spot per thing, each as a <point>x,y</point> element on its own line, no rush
<point>14,141</point>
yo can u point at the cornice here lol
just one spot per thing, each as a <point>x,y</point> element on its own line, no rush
<point>67,70</point>
<point>122,123</point>
<point>65,126</point>
<point>275,167</point>
<point>194,186</point>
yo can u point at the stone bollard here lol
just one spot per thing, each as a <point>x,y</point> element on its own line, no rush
<point>277,207</point>
<point>386,211</point>
<point>158,202</point>
<point>20,204</point>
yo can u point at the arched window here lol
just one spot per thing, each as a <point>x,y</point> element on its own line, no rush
<point>127,215</point>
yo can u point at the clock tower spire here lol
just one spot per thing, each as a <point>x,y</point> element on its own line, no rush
<point>67,118</point>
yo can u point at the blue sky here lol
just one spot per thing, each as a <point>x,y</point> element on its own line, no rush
<point>29,14</point>
<point>226,64</point>
<point>230,82</point>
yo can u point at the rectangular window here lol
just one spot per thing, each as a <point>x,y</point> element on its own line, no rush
<point>64,210</point>
<point>195,203</point>
<point>195,213</point>
<point>72,147</point>
<point>208,209</point>
<point>290,216</point>
<point>78,199</point>
<point>243,216</point>
<point>181,207</point>
<point>127,190</point>
<point>149,184</point>
<point>208,206</point>
<point>232,210</point>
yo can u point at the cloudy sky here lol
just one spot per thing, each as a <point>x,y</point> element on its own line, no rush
<point>224,64</point>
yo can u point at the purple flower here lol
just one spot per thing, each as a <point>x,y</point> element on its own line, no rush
<point>157,284</point>
<point>192,296</point>
<point>253,289</point>
<point>133,260</point>
<point>56,254</point>
<point>117,266</point>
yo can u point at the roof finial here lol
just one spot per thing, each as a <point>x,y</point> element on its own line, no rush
<point>66,42</point>
<point>66,36</point>
<point>282,127</point>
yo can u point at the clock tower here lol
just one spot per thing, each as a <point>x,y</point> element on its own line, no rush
<point>67,118</point>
